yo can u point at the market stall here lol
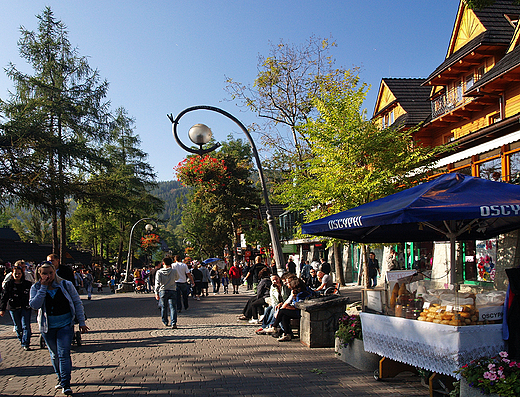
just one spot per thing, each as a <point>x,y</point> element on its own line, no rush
<point>442,335</point>
<point>436,347</point>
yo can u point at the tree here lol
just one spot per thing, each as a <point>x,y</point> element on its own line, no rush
<point>117,195</point>
<point>222,187</point>
<point>282,93</point>
<point>31,225</point>
<point>352,161</point>
<point>56,120</point>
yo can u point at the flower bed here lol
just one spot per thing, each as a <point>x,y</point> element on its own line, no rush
<point>349,329</point>
<point>498,375</point>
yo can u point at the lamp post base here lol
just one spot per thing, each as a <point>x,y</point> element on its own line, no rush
<point>126,286</point>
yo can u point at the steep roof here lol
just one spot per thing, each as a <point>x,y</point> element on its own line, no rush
<point>497,33</point>
<point>507,64</point>
<point>412,96</point>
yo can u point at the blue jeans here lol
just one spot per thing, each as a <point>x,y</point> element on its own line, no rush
<point>216,284</point>
<point>373,281</point>
<point>168,300</point>
<point>268,317</point>
<point>58,342</point>
<point>22,324</point>
<point>182,295</point>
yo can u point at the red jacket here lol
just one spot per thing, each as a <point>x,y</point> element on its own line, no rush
<point>235,272</point>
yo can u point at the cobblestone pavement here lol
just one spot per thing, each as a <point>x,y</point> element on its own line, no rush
<point>128,352</point>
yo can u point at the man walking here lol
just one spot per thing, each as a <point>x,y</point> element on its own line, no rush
<point>183,274</point>
<point>166,291</point>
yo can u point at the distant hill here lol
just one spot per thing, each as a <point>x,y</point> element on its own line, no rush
<point>171,192</point>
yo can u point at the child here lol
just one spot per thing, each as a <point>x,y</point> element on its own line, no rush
<point>225,282</point>
<point>99,286</point>
<point>112,284</point>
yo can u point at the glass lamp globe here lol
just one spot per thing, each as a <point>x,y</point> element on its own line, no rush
<point>200,134</point>
<point>149,228</point>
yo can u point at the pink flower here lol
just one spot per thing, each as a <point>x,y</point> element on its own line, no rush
<point>490,375</point>
<point>503,354</point>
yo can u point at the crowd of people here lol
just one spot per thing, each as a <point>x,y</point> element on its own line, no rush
<point>53,290</point>
<point>274,304</point>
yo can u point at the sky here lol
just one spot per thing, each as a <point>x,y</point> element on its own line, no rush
<point>161,57</point>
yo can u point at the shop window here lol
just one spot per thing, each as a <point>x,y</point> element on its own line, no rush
<point>470,264</point>
<point>486,253</point>
<point>514,166</point>
<point>491,170</point>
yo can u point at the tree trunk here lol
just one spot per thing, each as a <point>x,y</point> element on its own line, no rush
<point>55,240</point>
<point>340,278</point>
<point>119,264</point>
<point>63,236</point>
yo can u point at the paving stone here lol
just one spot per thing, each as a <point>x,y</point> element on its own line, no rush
<point>129,352</point>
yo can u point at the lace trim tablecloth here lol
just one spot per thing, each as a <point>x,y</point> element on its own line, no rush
<point>436,347</point>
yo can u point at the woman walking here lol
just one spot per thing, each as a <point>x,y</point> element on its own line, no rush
<point>215,279</point>
<point>58,304</point>
<point>15,298</point>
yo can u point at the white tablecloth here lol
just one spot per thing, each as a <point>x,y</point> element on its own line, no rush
<point>439,348</point>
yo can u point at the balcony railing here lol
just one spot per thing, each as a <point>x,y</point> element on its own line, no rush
<point>450,100</point>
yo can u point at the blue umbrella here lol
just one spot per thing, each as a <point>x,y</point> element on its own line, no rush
<point>452,207</point>
<point>210,260</point>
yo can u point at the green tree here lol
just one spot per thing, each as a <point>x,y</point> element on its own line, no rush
<point>117,195</point>
<point>31,225</point>
<point>282,93</point>
<point>222,188</point>
<point>353,161</point>
<point>56,119</point>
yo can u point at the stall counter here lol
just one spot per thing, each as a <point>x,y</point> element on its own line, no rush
<point>436,347</point>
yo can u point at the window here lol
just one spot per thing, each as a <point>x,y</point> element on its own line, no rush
<point>494,118</point>
<point>458,91</point>
<point>480,73</point>
<point>491,170</point>
<point>514,165</point>
<point>469,81</point>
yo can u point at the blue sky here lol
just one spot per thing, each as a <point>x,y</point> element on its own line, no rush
<point>161,57</point>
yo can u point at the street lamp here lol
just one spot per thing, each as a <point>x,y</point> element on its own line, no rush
<point>200,134</point>
<point>127,285</point>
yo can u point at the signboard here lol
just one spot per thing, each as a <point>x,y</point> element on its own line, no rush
<point>374,301</point>
<point>394,275</point>
<point>490,313</point>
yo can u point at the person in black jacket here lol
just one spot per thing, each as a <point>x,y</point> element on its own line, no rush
<point>15,298</point>
<point>255,304</point>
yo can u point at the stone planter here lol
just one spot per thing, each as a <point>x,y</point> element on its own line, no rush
<point>466,391</point>
<point>356,356</point>
<point>320,319</point>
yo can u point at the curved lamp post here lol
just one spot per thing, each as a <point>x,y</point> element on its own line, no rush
<point>200,134</point>
<point>127,285</point>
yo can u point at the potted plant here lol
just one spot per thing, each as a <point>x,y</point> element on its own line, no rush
<point>498,376</point>
<point>349,344</point>
<point>349,329</point>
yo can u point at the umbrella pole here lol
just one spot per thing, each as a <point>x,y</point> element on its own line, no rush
<point>453,261</point>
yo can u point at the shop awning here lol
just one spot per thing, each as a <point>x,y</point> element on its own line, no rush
<point>452,207</point>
